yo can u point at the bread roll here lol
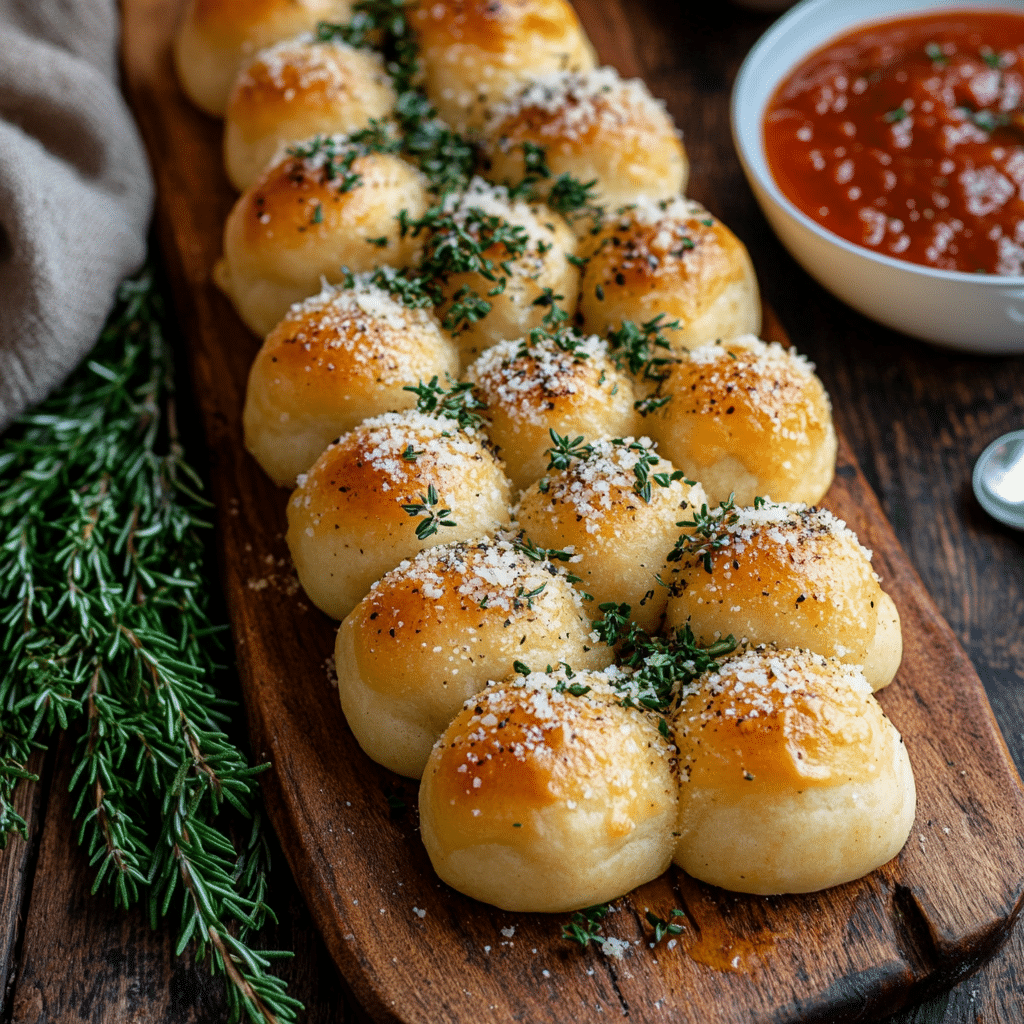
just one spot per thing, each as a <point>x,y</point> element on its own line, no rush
<point>295,90</point>
<point>594,509</point>
<point>437,628</point>
<point>325,207</point>
<point>474,51</point>
<point>335,360</point>
<point>539,800</point>
<point>535,385</point>
<point>671,258</point>
<point>347,524</point>
<point>513,284</point>
<point>791,777</point>
<point>789,575</point>
<point>593,126</point>
<point>747,419</point>
<point>217,38</point>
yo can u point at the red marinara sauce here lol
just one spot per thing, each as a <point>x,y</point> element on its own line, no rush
<point>907,137</point>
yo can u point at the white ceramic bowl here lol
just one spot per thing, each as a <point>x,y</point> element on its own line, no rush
<point>971,312</point>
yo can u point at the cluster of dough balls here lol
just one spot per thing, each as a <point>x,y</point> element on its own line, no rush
<point>467,653</point>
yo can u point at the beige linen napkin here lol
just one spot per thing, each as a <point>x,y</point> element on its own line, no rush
<point>75,190</point>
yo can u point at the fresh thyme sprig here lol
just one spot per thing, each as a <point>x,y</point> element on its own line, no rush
<point>709,532</point>
<point>564,449</point>
<point>638,348</point>
<point>444,156</point>
<point>584,926</point>
<point>661,665</point>
<point>565,195</point>
<point>538,554</point>
<point>662,927</point>
<point>464,239</point>
<point>459,402</point>
<point>105,629</point>
<point>433,517</point>
<point>336,155</point>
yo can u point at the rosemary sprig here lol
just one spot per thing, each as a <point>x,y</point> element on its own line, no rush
<point>105,628</point>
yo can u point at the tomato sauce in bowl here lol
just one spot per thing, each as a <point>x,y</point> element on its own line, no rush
<point>907,137</point>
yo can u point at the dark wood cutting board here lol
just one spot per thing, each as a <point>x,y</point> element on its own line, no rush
<point>413,950</point>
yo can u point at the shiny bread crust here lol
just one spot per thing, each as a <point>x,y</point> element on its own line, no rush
<point>336,359</point>
<point>308,220</point>
<point>791,777</point>
<point>540,800</point>
<point>671,259</point>
<point>436,629</point>
<point>295,90</point>
<point>347,521</point>
<point>747,419</point>
<point>217,38</point>
<point>787,575</point>
<point>474,51</point>
<point>620,540</point>
<point>594,126</point>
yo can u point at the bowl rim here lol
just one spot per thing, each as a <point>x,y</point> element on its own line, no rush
<point>753,168</point>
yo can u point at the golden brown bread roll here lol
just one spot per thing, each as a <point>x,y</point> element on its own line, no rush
<point>335,360</point>
<point>217,38</point>
<point>474,51</point>
<point>670,258</point>
<point>747,419</point>
<point>326,206</point>
<point>436,629</point>
<point>789,575</point>
<point>791,777</point>
<point>354,515</point>
<point>593,126</point>
<point>514,283</point>
<point>595,508</point>
<point>539,800</point>
<point>535,385</point>
<point>295,90</point>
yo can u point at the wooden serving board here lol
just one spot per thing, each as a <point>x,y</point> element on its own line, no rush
<point>415,951</point>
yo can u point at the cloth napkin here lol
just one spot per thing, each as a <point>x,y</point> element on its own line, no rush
<point>75,190</point>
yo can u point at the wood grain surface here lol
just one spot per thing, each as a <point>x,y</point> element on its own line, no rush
<point>916,418</point>
<point>936,911</point>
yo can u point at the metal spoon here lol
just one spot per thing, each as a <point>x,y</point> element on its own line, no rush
<point>999,479</point>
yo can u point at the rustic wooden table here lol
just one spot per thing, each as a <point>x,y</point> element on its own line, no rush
<point>917,418</point>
